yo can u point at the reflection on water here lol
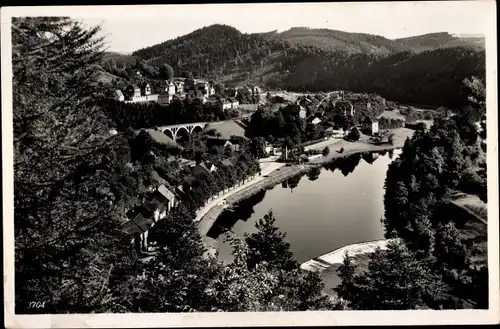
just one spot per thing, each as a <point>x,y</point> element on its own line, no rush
<point>242,211</point>
<point>321,213</point>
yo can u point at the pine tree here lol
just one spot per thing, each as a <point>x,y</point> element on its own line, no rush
<point>70,178</point>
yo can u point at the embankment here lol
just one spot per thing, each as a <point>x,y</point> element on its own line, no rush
<point>337,256</point>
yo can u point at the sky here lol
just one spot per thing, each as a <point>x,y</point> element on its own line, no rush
<point>128,28</point>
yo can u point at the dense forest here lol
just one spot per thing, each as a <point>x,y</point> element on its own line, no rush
<point>443,258</point>
<point>431,77</point>
<point>208,50</point>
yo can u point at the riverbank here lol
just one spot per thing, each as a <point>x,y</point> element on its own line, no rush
<point>328,264</point>
<point>272,176</point>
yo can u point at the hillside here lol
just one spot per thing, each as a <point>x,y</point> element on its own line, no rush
<point>426,70</point>
<point>337,40</point>
<point>207,51</point>
<point>439,40</point>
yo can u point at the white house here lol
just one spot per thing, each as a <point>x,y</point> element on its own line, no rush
<point>170,88</point>
<point>226,105</point>
<point>118,95</point>
<point>234,103</point>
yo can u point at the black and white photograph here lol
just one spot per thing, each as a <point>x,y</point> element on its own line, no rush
<point>250,164</point>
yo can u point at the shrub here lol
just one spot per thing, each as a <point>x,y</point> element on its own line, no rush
<point>390,139</point>
<point>354,134</point>
<point>326,151</point>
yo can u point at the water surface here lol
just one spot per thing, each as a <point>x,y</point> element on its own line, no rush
<point>326,209</point>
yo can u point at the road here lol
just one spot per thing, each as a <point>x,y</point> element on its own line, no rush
<point>266,168</point>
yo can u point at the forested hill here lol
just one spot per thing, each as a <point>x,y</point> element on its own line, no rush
<point>208,50</point>
<point>337,40</point>
<point>439,40</point>
<point>426,70</point>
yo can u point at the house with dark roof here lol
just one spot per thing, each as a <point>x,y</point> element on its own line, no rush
<point>140,220</point>
<point>185,186</point>
<point>163,198</point>
<point>204,168</point>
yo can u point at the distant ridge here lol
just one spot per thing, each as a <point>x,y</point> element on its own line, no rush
<point>306,59</point>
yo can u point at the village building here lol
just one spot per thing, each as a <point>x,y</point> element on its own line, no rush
<point>204,168</point>
<point>335,132</point>
<point>256,90</point>
<point>132,91</point>
<point>140,220</point>
<point>230,92</point>
<point>170,87</point>
<point>165,98</point>
<point>314,120</point>
<point>234,103</point>
<point>224,103</point>
<point>199,85</point>
<point>370,126</point>
<point>311,157</point>
<point>118,95</point>
<point>185,186</point>
<point>145,89</point>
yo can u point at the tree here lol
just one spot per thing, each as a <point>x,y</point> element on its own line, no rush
<point>258,147</point>
<point>71,179</point>
<point>166,72</point>
<point>268,245</point>
<point>395,280</point>
<point>390,139</point>
<point>326,151</point>
<point>354,134</point>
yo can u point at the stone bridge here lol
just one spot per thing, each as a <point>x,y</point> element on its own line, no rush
<point>186,129</point>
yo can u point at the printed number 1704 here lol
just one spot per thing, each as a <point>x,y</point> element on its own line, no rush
<point>36,304</point>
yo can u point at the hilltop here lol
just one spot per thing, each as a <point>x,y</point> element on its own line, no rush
<point>427,69</point>
<point>337,40</point>
<point>433,41</point>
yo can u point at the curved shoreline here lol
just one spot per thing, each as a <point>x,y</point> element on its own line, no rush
<point>336,256</point>
<point>276,177</point>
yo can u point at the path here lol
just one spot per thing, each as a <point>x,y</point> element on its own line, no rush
<point>266,168</point>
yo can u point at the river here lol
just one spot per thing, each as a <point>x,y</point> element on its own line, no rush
<point>326,209</point>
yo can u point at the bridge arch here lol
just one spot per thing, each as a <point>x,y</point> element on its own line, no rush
<point>196,129</point>
<point>169,133</point>
<point>182,133</point>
